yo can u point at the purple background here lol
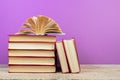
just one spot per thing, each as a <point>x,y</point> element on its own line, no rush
<point>94,23</point>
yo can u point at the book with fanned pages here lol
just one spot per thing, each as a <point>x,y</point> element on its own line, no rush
<point>40,25</point>
<point>68,56</point>
<point>31,53</point>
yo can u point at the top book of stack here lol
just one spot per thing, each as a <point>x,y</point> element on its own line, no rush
<point>32,38</point>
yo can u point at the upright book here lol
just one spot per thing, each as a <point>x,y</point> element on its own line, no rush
<point>68,56</point>
<point>62,57</point>
<point>72,55</point>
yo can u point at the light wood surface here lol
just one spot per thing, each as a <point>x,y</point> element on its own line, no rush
<point>88,72</point>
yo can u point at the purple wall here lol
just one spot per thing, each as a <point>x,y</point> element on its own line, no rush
<point>94,23</point>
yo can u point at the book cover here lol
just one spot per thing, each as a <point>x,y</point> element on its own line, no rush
<point>62,57</point>
<point>72,55</point>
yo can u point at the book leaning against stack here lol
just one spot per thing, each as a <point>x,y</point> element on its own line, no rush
<point>31,53</point>
<point>68,56</point>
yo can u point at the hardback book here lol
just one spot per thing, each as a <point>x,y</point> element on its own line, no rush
<point>72,55</point>
<point>40,25</point>
<point>31,52</point>
<point>31,69</point>
<point>23,60</point>
<point>62,57</point>
<point>32,38</point>
<point>31,45</point>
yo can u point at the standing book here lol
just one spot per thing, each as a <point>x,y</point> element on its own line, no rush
<point>68,56</point>
<point>62,57</point>
<point>72,55</point>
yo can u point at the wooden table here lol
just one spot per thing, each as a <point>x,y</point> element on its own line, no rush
<point>88,72</point>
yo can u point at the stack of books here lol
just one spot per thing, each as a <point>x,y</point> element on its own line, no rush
<point>31,53</point>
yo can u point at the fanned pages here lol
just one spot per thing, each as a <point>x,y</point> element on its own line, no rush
<point>40,25</point>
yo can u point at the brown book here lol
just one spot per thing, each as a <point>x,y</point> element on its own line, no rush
<point>72,55</point>
<point>23,60</point>
<point>31,45</point>
<point>31,52</point>
<point>31,69</point>
<point>62,57</point>
<point>32,38</point>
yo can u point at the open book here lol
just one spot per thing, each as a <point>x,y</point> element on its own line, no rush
<point>40,25</point>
